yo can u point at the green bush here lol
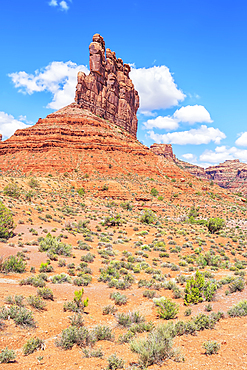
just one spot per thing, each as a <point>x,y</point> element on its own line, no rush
<point>119,299</point>
<point>156,348</point>
<point>148,217</point>
<point>237,285</point>
<point>211,347</point>
<point>36,302</point>
<point>45,293</point>
<point>194,289</point>
<point>114,362</point>
<point>12,264</point>
<point>33,183</point>
<point>33,344</point>
<point>154,192</point>
<point>12,190</point>
<point>54,246</point>
<point>215,224</point>
<point>102,332</point>
<point>240,309</point>
<point>7,355</point>
<point>166,308</point>
<point>6,222</point>
<point>80,191</point>
<point>127,319</point>
<point>74,335</point>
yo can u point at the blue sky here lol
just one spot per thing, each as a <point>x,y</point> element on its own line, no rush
<point>189,65</point>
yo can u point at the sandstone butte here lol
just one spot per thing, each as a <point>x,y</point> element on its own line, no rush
<point>95,136</point>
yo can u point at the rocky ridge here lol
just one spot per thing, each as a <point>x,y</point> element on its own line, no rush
<point>231,174</point>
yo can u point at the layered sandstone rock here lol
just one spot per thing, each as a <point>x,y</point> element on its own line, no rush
<point>164,150</point>
<point>108,90</point>
<point>232,174</point>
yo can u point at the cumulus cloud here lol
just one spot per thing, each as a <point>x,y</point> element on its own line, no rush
<point>189,156</point>
<point>193,114</point>
<point>8,124</point>
<point>63,5</point>
<point>242,140</point>
<point>167,123</point>
<point>190,114</point>
<point>202,135</point>
<point>222,153</point>
<point>156,88</point>
<point>58,78</point>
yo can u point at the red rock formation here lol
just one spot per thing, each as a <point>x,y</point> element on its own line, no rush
<point>164,150</point>
<point>108,91</point>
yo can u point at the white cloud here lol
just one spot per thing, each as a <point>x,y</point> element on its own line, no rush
<point>156,88</point>
<point>53,3</point>
<point>222,153</point>
<point>190,114</point>
<point>202,135</point>
<point>167,123</point>
<point>193,114</point>
<point>8,124</point>
<point>189,156</point>
<point>242,140</point>
<point>58,78</point>
<point>63,5</point>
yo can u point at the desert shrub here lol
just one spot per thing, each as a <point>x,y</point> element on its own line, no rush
<point>74,335</point>
<point>80,191</point>
<point>15,300</point>
<point>148,217</point>
<point>76,320</point>
<point>211,347</point>
<point>215,224</point>
<point>187,312</point>
<point>33,344</point>
<point>156,348</point>
<point>114,362</point>
<point>154,192</point>
<point>77,305</point>
<point>89,257</point>
<point>166,308</point>
<point>36,302</point>
<point>7,355</point>
<point>119,299</point>
<point>126,205</point>
<point>45,293</point>
<point>33,183</point>
<point>13,264</point>
<point>46,267</point>
<point>21,316</point>
<point>237,285</point>
<point>60,279</point>
<point>6,222</point>
<point>12,190</point>
<point>54,246</point>
<point>112,221</point>
<point>209,290</point>
<point>127,319</point>
<point>36,281</point>
<point>102,332</point>
<point>194,289</point>
<point>240,309</point>
<point>93,353</point>
<point>109,310</point>
<point>149,293</point>
<point>61,263</point>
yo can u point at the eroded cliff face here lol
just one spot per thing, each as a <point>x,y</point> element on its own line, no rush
<point>108,90</point>
<point>231,174</point>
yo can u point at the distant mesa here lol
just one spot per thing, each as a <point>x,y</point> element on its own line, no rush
<point>108,90</point>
